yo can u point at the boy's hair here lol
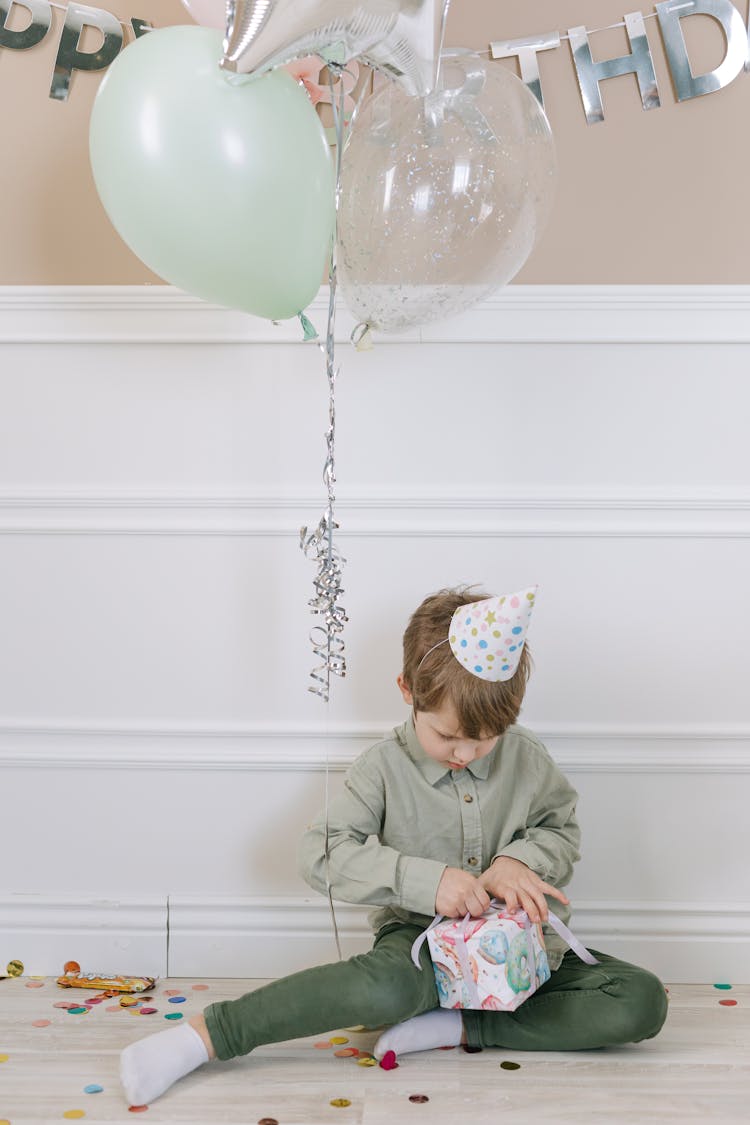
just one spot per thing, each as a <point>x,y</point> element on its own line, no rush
<point>483,708</point>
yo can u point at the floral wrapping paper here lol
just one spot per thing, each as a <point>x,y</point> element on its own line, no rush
<point>493,963</point>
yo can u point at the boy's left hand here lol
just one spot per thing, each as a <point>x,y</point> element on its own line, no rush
<point>519,887</point>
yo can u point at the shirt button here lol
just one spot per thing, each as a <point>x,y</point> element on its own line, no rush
<point>468,798</point>
<point>473,861</point>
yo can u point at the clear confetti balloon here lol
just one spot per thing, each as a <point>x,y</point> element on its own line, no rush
<point>442,198</point>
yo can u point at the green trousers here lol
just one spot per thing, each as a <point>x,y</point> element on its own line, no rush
<point>581,1006</point>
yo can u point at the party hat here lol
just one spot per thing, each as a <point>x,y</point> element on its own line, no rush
<point>487,637</point>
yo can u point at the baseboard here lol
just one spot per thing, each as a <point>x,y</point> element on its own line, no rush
<point>126,935</point>
<point>194,936</point>
<point>253,937</point>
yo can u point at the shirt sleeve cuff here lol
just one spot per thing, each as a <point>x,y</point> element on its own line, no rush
<point>528,853</point>
<point>419,883</point>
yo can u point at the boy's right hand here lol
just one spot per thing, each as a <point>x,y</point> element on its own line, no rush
<point>459,893</point>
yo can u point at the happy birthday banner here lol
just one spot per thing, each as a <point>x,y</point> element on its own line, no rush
<point>638,60</point>
<point>590,74</point>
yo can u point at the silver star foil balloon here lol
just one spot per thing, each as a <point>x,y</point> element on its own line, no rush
<point>402,38</point>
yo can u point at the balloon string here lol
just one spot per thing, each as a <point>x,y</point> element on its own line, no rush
<point>328,645</point>
<point>328,844</point>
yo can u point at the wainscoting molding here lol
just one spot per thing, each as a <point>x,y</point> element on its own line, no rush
<point>517,314</point>
<point>534,513</point>
<point>190,936</point>
<point>113,485</point>
<point>280,748</point>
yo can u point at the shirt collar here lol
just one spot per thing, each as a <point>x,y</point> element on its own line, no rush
<point>432,770</point>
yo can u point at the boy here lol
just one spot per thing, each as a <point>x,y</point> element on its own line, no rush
<point>457,806</point>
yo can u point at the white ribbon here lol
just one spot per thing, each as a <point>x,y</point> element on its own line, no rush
<point>461,952</point>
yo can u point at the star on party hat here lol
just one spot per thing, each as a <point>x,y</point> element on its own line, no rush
<point>487,637</point>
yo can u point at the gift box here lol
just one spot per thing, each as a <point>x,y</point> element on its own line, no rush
<point>492,963</point>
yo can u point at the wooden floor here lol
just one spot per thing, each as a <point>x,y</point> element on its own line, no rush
<point>698,1068</point>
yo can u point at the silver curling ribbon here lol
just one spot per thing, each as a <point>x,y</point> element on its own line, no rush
<point>69,55</point>
<point>526,50</point>
<point>687,85</point>
<point>33,33</point>
<point>319,545</point>
<point>590,74</point>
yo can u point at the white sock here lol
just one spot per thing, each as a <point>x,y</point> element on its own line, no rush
<point>150,1066</point>
<point>442,1027</point>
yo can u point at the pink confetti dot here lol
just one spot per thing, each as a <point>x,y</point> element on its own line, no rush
<point>200,988</point>
<point>172,992</point>
<point>113,1008</point>
<point>41,1023</point>
<point>388,1061</point>
<point>35,984</point>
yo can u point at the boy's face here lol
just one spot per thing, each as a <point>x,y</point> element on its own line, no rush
<point>440,735</point>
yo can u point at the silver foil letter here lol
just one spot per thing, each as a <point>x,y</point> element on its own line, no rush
<point>525,50</point>
<point>41,19</point>
<point>69,55</point>
<point>687,85</point>
<point>638,62</point>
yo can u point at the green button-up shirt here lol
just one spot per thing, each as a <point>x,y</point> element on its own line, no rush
<point>404,817</point>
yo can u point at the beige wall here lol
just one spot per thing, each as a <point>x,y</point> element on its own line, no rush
<point>657,197</point>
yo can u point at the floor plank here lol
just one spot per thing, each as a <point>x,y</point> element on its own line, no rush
<point>698,1068</point>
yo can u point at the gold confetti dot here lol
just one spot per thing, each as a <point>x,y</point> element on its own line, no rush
<point>74,1114</point>
<point>339,1039</point>
<point>3,1058</point>
<point>15,969</point>
<point>128,1001</point>
<point>510,1066</point>
<point>340,1102</point>
<point>367,1061</point>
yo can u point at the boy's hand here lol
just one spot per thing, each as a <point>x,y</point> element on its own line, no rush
<point>518,886</point>
<point>459,893</point>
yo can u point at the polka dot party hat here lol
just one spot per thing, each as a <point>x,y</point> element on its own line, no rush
<point>487,637</point>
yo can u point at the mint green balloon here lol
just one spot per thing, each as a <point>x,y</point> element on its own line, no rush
<point>223,189</point>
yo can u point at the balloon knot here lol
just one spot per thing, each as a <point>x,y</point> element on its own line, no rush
<point>308,328</point>
<point>362,338</point>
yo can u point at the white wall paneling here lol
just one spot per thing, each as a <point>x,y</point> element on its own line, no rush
<point>158,747</point>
